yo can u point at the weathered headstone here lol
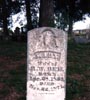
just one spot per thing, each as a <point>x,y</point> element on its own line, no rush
<point>46,71</point>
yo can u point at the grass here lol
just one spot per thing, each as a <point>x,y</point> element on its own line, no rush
<point>13,71</point>
<point>78,71</point>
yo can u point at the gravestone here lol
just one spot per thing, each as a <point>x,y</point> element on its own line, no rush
<point>46,64</point>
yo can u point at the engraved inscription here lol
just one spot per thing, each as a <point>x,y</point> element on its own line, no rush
<point>47,54</point>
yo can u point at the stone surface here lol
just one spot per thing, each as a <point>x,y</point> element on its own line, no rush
<point>46,64</point>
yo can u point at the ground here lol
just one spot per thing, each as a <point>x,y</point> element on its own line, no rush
<point>13,71</point>
<point>78,71</point>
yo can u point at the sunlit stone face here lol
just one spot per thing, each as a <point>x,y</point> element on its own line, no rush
<point>46,70</point>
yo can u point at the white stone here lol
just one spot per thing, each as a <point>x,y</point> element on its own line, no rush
<point>46,64</point>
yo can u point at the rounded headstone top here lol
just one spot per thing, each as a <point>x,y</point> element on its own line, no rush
<point>46,38</point>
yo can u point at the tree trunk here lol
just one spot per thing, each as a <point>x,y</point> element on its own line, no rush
<point>70,25</point>
<point>5,21</point>
<point>70,30</point>
<point>46,13</point>
<point>28,15</point>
